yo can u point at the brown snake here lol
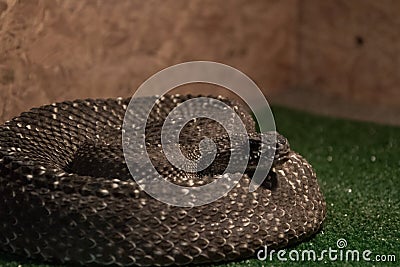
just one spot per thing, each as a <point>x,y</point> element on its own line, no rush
<point>66,194</point>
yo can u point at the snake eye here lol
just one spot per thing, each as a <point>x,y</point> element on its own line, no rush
<point>282,142</point>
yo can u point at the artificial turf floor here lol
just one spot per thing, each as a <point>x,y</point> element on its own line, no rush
<point>358,167</point>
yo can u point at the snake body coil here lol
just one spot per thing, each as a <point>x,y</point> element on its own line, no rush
<point>66,194</point>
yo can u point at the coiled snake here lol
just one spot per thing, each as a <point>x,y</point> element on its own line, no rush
<point>66,194</point>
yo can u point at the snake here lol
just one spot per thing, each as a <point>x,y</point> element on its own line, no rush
<point>67,195</point>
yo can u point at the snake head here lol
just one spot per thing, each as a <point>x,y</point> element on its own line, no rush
<point>282,147</point>
<point>269,146</point>
<point>265,151</point>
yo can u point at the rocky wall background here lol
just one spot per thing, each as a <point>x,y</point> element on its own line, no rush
<point>57,50</point>
<point>324,56</point>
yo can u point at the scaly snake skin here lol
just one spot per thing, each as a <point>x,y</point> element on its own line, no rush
<point>66,194</point>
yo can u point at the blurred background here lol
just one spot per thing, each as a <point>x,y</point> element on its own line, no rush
<point>338,58</point>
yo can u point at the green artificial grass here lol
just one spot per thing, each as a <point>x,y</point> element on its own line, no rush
<point>358,167</point>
